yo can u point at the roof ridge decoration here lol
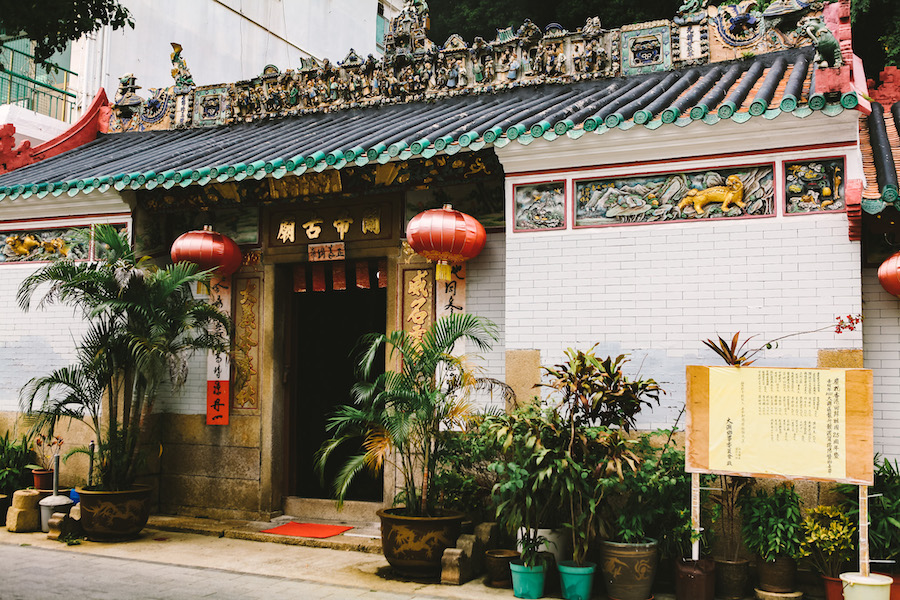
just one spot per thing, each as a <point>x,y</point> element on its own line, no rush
<point>414,68</point>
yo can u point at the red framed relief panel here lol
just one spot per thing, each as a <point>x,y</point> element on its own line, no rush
<point>539,206</point>
<point>814,186</point>
<point>714,193</point>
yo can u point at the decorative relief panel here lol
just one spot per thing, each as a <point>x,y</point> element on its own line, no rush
<point>45,244</point>
<point>814,186</point>
<point>247,326</point>
<point>646,47</point>
<point>540,206</point>
<point>715,193</point>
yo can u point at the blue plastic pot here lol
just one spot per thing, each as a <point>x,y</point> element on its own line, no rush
<point>576,581</point>
<point>528,582</point>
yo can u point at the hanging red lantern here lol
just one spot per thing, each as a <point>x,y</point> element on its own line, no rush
<point>446,236</point>
<point>889,275</point>
<point>208,250</point>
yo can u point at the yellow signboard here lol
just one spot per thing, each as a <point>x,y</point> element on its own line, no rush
<point>803,423</point>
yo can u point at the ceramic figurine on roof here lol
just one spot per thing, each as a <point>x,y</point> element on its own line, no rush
<point>127,102</point>
<point>180,72</point>
<point>529,33</point>
<point>828,51</point>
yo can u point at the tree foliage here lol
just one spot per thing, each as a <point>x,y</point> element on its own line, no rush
<point>52,24</point>
<point>471,18</point>
<point>872,20</point>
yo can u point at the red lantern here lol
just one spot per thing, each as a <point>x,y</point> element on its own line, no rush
<point>889,275</point>
<point>446,236</point>
<point>208,250</point>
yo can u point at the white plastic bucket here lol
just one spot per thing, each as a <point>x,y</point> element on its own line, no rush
<point>860,587</point>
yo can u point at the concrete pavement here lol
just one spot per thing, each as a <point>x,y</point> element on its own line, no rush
<point>175,565</point>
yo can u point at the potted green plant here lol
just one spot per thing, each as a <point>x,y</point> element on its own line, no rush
<point>592,395</point>
<point>732,570</point>
<point>827,543</point>
<point>143,325</point>
<point>529,575</point>
<point>15,457</point>
<point>529,444</point>
<point>45,447</point>
<point>644,511</point>
<point>399,414</point>
<point>773,529</point>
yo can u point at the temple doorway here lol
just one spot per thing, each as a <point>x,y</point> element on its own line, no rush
<point>333,304</point>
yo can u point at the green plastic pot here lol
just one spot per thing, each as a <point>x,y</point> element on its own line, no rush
<point>528,582</point>
<point>576,581</point>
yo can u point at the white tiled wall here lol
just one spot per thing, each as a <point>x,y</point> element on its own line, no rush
<point>486,297</point>
<point>881,353</point>
<point>656,291</point>
<point>34,343</point>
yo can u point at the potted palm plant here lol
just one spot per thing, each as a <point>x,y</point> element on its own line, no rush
<point>827,544</point>
<point>398,415</point>
<point>773,529</point>
<point>143,325</point>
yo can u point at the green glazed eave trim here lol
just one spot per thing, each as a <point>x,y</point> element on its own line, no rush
<point>802,112</point>
<point>477,145</point>
<point>711,119</point>
<point>833,109</point>
<point>772,113</point>
<point>684,120</point>
<point>501,141</point>
<point>407,153</point>
<point>550,135</point>
<point>525,139</point>
<point>575,133</point>
<point>626,125</point>
<point>654,124</point>
<point>741,117</point>
<point>873,207</point>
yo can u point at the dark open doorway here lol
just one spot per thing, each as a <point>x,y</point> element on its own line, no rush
<point>324,329</point>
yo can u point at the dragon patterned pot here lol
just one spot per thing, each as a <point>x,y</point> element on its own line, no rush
<point>114,516</point>
<point>414,545</point>
<point>629,569</point>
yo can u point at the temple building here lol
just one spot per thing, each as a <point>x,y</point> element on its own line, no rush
<point>643,188</point>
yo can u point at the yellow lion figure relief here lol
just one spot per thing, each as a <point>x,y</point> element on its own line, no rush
<point>730,193</point>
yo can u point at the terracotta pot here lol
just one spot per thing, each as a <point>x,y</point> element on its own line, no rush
<point>629,569</point>
<point>43,479</point>
<point>414,545</point>
<point>695,579</point>
<point>114,516</point>
<point>496,563</point>
<point>732,579</point>
<point>834,588</point>
<point>779,575</point>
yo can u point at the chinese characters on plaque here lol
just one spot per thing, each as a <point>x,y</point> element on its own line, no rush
<point>320,252</point>
<point>418,302</point>
<point>778,421</point>
<point>218,366</point>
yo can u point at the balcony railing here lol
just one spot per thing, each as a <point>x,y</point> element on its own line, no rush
<point>42,89</point>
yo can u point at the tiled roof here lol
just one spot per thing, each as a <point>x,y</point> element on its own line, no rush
<point>880,146</point>
<point>764,86</point>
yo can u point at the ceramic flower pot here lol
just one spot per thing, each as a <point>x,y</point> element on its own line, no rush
<point>732,579</point>
<point>778,575</point>
<point>496,563</point>
<point>414,545</point>
<point>43,479</point>
<point>115,516</point>
<point>629,569</point>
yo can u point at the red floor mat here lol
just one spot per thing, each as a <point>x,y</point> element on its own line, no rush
<point>311,530</point>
